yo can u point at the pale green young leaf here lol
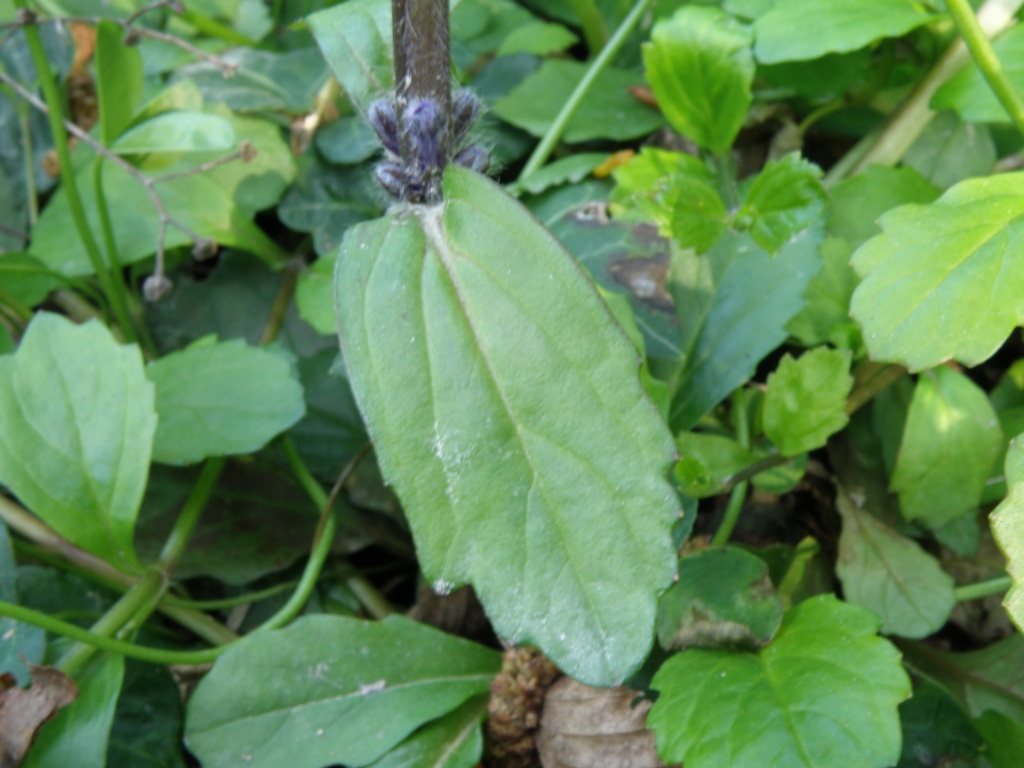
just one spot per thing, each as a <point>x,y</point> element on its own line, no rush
<point>647,187</point>
<point>220,399</point>
<point>950,150</point>
<point>918,300</point>
<point>782,201</point>
<point>968,92</point>
<point>891,575</point>
<point>118,81</point>
<point>608,111</point>
<point>950,444</point>
<point>177,132</point>
<point>452,741</point>
<point>700,68</point>
<point>80,734</point>
<point>806,398</point>
<point>733,304</point>
<point>314,294</point>
<point>1008,529</point>
<point>698,214</point>
<point>570,169</point>
<point>329,689</point>
<point>497,387</point>
<point>723,598</point>
<point>796,30</point>
<point>76,433</point>
<point>825,692</point>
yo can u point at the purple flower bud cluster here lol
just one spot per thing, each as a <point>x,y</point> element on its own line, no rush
<point>420,129</point>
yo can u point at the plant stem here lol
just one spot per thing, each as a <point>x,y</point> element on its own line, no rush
<point>987,61</point>
<point>870,378</point>
<point>591,22</point>
<point>547,144</point>
<point>979,589</point>
<point>67,176</point>
<point>738,495</point>
<point>197,500</point>
<point>283,300</point>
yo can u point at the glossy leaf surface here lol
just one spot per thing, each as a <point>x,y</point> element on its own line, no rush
<point>76,432</point>
<point>329,689</point>
<point>506,410</point>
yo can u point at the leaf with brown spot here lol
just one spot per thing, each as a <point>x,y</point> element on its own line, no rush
<point>24,710</point>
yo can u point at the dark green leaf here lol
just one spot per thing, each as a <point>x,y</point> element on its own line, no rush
<point>858,202</point>
<point>706,461</point>
<point>25,278</point>
<point>330,689</point>
<point>795,30</point>
<point>950,444</point>
<point>1004,739</point>
<point>805,400</point>
<point>733,304</point>
<point>1008,529</point>
<point>782,201</point>
<point>919,306</point>
<point>936,730</point>
<point>355,38</point>
<point>76,432</point>
<point>19,643</point>
<point>891,575</point>
<point>969,93</point>
<point>218,399</point>
<point>79,735</point>
<point>825,692</point>
<point>828,77</point>
<point>453,741</point>
<point>723,598</point>
<point>118,81</point>
<point>347,140</point>
<point>148,720</point>
<point>700,67</point>
<point>608,111</point>
<point>497,386</point>
<point>950,150</point>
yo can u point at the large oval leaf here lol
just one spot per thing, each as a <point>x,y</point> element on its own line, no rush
<point>76,432</point>
<point>946,280</point>
<point>506,409</point>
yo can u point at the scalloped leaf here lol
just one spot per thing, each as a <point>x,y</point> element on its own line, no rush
<point>1008,528</point>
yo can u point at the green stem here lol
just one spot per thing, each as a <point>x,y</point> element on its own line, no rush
<point>591,22</point>
<point>979,589</point>
<point>55,114</point>
<point>283,300</point>
<point>738,495</point>
<point>987,61</point>
<point>870,378</point>
<point>197,500</point>
<point>547,144</point>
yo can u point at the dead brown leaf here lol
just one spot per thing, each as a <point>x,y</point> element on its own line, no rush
<point>24,710</point>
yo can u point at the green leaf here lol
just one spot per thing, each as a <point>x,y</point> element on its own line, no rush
<point>314,295</point>
<point>347,141</point>
<point>825,692</point>
<point>452,741</point>
<point>891,575</point>
<point>707,461</point>
<point>826,78</point>
<point>355,38</point>
<point>539,38</point>
<point>733,304</point>
<point>805,400</point>
<point>79,736</point>
<point>1007,522</point>
<point>147,723</point>
<point>177,132</point>
<point>795,30</point>
<point>826,318</point>
<point>648,186</point>
<point>1004,739</point>
<point>25,278</point>
<point>608,111</point>
<point>19,643</point>
<point>936,730</point>
<point>723,598</point>
<point>118,81</point>
<point>573,168</point>
<point>218,399</point>
<point>857,202</point>
<point>340,690</point>
<point>919,306</point>
<point>497,387</point>
<point>949,151</point>
<point>782,201</point>
<point>969,93</point>
<point>950,444</point>
<point>698,213</point>
<point>700,67</point>
<point>989,679</point>
<point>76,432</point>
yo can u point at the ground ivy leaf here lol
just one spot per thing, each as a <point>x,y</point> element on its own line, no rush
<point>723,597</point>
<point>733,304</point>
<point>222,398</point>
<point>969,93</point>
<point>918,300</point>
<point>76,432</point>
<point>608,111</point>
<point>831,26</point>
<point>951,442</point>
<point>329,689</point>
<point>782,201</point>
<point>1008,528</point>
<point>506,410</point>
<point>825,692</point>
<point>452,741</point>
<point>891,575</point>
<point>805,400</point>
<point>700,68</point>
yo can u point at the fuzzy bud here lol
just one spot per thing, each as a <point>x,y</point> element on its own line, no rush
<point>465,111</point>
<point>384,122</point>
<point>473,157</point>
